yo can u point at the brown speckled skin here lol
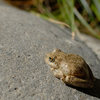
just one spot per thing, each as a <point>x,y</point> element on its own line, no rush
<point>70,68</point>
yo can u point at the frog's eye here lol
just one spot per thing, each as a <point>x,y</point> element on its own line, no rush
<point>51,59</point>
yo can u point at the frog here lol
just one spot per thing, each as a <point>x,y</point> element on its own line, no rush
<point>71,68</point>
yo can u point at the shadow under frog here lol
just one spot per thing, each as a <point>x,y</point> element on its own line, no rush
<point>95,91</point>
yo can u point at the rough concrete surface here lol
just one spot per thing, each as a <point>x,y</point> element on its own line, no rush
<point>24,41</point>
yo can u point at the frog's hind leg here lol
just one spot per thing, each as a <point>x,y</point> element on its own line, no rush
<point>75,81</point>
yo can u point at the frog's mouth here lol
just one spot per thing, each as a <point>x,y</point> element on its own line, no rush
<point>53,65</point>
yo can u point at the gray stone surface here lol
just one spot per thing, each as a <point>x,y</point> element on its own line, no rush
<point>24,41</point>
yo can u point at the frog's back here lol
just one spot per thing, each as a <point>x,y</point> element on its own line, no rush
<point>75,59</point>
<point>78,67</point>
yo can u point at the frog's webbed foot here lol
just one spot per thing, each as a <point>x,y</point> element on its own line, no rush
<point>75,81</point>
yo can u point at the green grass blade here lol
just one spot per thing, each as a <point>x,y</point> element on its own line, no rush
<point>82,20</point>
<point>97,4</point>
<point>86,6</point>
<point>96,12</point>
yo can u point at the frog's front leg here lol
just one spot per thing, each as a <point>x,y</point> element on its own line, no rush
<point>58,73</point>
<point>75,81</point>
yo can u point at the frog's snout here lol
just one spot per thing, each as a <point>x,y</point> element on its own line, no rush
<point>46,58</point>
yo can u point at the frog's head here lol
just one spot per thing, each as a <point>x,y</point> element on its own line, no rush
<point>52,58</point>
